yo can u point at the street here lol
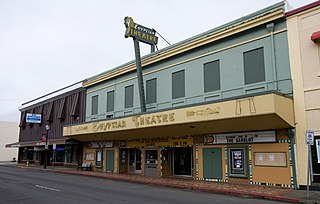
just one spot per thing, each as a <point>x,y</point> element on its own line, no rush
<point>36,186</point>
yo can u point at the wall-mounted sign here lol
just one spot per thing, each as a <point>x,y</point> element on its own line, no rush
<point>241,138</point>
<point>100,144</point>
<point>140,32</point>
<point>33,118</point>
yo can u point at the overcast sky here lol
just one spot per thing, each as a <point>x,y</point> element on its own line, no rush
<point>46,45</point>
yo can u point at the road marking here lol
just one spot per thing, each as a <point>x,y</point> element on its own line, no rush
<point>48,188</point>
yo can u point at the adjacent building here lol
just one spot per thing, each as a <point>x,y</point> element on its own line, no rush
<point>9,132</point>
<point>304,48</point>
<point>62,107</point>
<point>219,108</point>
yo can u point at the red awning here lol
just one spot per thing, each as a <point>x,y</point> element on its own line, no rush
<point>315,37</point>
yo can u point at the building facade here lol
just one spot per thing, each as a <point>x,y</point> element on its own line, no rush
<point>304,37</point>
<point>56,109</point>
<point>219,107</point>
<point>9,132</point>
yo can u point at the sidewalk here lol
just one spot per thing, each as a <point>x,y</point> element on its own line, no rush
<point>243,190</point>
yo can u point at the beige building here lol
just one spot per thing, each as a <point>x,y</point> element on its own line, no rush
<point>9,132</point>
<point>304,48</point>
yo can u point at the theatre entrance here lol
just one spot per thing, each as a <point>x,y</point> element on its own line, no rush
<point>135,161</point>
<point>182,161</point>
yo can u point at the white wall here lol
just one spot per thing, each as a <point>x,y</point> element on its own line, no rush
<point>9,133</point>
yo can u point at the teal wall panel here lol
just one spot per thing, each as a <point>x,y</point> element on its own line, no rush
<point>231,73</point>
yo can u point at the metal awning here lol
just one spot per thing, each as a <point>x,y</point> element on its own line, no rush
<point>263,112</point>
<point>36,143</point>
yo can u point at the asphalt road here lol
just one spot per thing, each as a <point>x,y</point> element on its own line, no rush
<point>45,187</point>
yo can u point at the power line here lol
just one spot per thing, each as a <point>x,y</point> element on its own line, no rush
<point>163,38</point>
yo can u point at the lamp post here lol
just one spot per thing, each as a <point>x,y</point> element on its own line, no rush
<point>46,147</point>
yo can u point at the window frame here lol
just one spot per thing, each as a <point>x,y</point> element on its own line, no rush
<point>92,105</point>
<point>175,94</point>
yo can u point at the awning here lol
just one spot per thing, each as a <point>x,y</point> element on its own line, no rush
<point>263,112</point>
<point>315,37</point>
<point>37,143</point>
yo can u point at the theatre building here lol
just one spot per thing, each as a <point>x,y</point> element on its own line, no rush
<point>219,108</point>
<point>64,106</point>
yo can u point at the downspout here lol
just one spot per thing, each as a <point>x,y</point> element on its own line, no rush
<point>270,28</point>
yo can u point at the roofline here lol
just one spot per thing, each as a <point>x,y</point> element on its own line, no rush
<point>260,17</point>
<point>303,8</point>
<point>75,87</point>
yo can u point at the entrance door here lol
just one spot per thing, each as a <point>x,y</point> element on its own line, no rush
<point>110,161</point>
<point>135,161</point>
<point>151,163</point>
<point>182,162</point>
<point>212,163</point>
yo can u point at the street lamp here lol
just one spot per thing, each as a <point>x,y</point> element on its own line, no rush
<point>46,147</point>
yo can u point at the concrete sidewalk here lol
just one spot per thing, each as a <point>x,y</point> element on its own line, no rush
<point>243,190</point>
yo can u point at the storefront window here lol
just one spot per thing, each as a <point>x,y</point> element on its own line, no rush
<point>237,162</point>
<point>71,154</point>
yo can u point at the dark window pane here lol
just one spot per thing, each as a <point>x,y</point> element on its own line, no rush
<point>178,84</point>
<point>211,72</point>
<point>94,105</point>
<point>110,101</point>
<point>254,70</point>
<point>128,97</point>
<point>151,91</point>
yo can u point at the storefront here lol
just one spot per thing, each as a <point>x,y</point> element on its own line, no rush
<point>232,141</point>
<point>247,157</point>
<point>61,152</point>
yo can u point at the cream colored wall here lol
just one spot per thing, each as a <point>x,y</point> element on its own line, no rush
<point>305,70</point>
<point>9,133</point>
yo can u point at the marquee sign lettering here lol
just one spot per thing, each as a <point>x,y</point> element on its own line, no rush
<point>140,32</point>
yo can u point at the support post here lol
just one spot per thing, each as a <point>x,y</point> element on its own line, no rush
<point>139,75</point>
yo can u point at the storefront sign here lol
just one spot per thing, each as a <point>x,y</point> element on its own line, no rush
<point>100,144</point>
<point>140,32</point>
<point>103,126</point>
<point>162,142</point>
<point>204,111</point>
<point>153,119</point>
<point>33,118</point>
<point>241,138</point>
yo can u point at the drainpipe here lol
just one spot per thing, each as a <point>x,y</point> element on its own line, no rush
<point>270,28</point>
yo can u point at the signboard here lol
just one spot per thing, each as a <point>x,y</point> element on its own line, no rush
<point>140,32</point>
<point>99,144</point>
<point>310,137</point>
<point>318,149</point>
<point>33,118</point>
<point>241,138</point>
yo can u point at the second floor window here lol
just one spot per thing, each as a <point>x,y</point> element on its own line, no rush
<point>94,105</point>
<point>110,101</point>
<point>128,97</point>
<point>178,84</point>
<point>254,70</point>
<point>151,87</point>
<point>211,71</point>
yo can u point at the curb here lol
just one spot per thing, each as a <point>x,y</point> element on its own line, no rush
<point>181,186</point>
